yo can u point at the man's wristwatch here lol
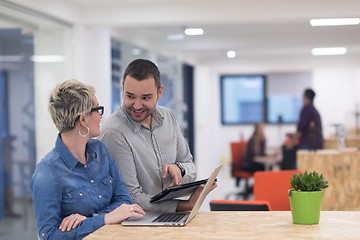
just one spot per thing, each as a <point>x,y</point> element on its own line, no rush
<point>182,169</point>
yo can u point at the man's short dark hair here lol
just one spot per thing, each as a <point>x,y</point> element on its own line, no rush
<point>142,69</point>
<point>309,94</point>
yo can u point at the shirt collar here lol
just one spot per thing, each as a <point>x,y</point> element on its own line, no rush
<point>157,120</point>
<point>67,156</point>
<point>91,154</point>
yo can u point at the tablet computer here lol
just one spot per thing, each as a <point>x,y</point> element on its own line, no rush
<point>178,191</point>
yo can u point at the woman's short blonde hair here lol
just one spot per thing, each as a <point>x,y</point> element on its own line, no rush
<point>68,100</point>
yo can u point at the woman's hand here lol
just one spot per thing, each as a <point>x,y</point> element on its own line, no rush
<point>123,212</point>
<point>71,222</point>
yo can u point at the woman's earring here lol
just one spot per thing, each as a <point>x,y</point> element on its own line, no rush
<point>84,135</point>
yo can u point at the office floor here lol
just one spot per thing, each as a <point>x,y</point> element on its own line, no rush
<point>23,226</point>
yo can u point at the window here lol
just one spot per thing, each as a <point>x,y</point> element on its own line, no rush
<point>274,98</point>
<point>242,99</point>
<point>284,95</point>
<point>283,108</point>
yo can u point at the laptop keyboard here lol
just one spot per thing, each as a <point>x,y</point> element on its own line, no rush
<point>169,217</point>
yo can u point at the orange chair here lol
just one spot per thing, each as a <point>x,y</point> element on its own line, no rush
<point>237,155</point>
<point>228,205</point>
<point>273,186</point>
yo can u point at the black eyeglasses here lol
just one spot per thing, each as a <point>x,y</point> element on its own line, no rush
<point>99,109</point>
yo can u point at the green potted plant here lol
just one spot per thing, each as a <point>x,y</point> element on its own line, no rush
<point>305,198</point>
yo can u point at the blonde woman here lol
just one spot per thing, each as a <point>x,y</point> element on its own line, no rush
<point>77,187</point>
<point>255,147</point>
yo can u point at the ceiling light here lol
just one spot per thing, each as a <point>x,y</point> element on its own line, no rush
<point>194,31</point>
<point>334,21</point>
<point>231,54</point>
<point>329,51</point>
<point>47,58</point>
<point>136,51</point>
<point>174,37</point>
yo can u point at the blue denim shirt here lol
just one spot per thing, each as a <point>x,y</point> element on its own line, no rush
<point>62,186</point>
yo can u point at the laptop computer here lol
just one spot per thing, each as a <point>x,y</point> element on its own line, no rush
<point>174,219</point>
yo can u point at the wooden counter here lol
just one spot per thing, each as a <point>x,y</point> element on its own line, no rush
<point>342,170</point>
<point>351,141</point>
<point>242,225</point>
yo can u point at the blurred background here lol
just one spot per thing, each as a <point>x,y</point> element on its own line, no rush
<point>246,62</point>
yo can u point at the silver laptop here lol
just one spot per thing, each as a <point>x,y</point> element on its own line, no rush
<point>173,219</point>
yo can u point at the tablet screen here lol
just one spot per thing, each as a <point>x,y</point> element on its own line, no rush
<point>178,191</point>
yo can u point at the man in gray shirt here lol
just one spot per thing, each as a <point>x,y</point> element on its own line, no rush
<point>146,142</point>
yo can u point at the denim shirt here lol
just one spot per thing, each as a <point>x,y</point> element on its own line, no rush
<point>62,185</point>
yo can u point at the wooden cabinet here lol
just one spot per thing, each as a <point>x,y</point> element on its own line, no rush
<point>342,170</point>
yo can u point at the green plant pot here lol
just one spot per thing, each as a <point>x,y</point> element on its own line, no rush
<point>305,206</point>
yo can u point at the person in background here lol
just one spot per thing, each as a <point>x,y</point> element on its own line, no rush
<point>289,149</point>
<point>146,141</point>
<point>309,128</point>
<point>77,187</point>
<point>255,147</point>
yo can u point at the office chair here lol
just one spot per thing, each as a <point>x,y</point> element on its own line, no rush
<point>273,186</point>
<point>237,155</point>
<point>228,205</point>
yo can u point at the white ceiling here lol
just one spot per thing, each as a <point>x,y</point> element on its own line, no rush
<point>255,29</point>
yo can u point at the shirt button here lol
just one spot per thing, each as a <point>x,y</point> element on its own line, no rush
<point>92,181</point>
<point>110,180</point>
<point>43,234</point>
<point>85,166</point>
<point>100,196</point>
<point>80,194</point>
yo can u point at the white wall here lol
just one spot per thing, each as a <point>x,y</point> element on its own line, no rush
<point>92,60</point>
<point>338,90</point>
<point>206,131</point>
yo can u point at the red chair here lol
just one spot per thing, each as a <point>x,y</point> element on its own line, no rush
<point>273,187</point>
<point>237,155</point>
<point>228,205</point>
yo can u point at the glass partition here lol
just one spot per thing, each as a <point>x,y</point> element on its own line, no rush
<point>35,54</point>
<point>122,53</point>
